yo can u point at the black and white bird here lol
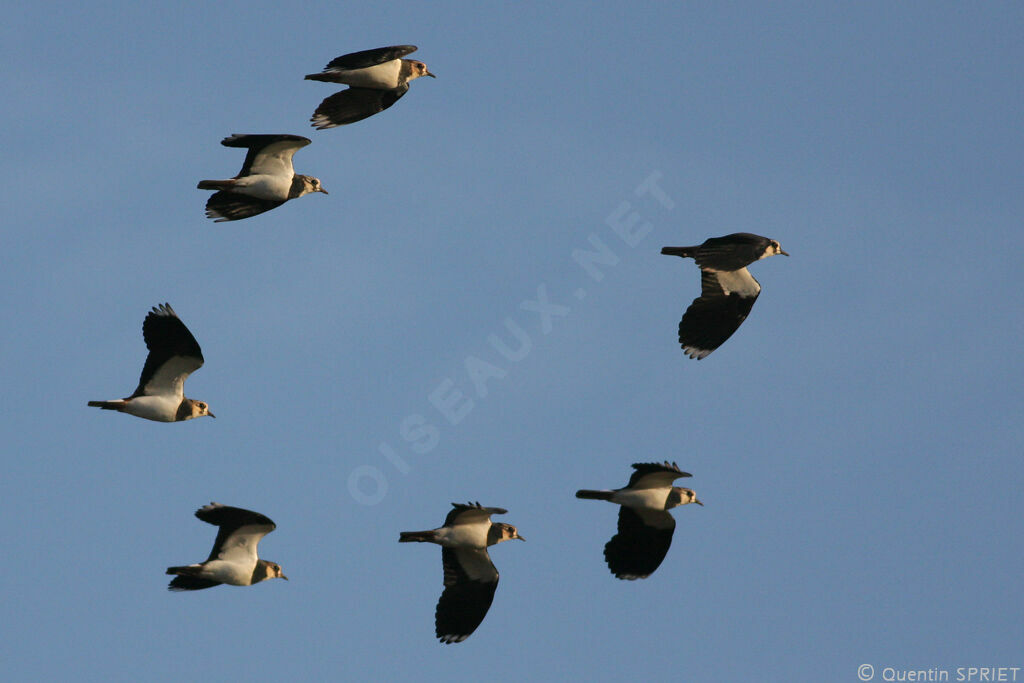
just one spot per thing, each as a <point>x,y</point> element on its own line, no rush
<point>233,559</point>
<point>267,179</point>
<point>174,354</point>
<point>728,290</point>
<point>377,79</point>
<point>645,526</point>
<point>470,578</point>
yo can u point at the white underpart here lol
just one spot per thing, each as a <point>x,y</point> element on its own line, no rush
<point>464,535</point>
<point>161,408</point>
<point>382,76</point>
<point>649,499</point>
<point>738,282</point>
<point>272,187</point>
<point>233,573</point>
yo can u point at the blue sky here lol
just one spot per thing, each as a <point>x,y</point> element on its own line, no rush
<point>857,443</point>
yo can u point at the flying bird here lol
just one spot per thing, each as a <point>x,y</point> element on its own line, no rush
<point>174,354</point>
<point>267,179</point>
<point>728,290</point>
<point>233,559</point>
<point>377,79</point>
<point>645,526</point>
<point>470,578</point>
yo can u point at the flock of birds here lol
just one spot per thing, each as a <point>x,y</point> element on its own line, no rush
<point>377,79</point>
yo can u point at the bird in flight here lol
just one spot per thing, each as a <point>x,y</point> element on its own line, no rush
<point>174,354</point>
<point>728,290</point>
<point>233,559</point>
<point>267,179</point>
<point>470,578</point>
<point>376,78</point>
<point>645,526</point>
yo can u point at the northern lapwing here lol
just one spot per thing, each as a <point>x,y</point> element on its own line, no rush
<point>645,526</point>
<point>174,354</point>
<point>233,559</point>
<point>470,578</point>
<point>728,290</point>
<point>267,179</point>
<point>377,79</point>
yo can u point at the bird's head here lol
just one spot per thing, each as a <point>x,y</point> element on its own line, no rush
<point>311,184</point>
<point>271,570</point>
<point>419,69</point>
<point>773,249</point>
<point>507,532</point>
<point>199,409</point>
<point>687,496</point>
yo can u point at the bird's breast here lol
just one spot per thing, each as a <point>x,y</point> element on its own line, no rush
<point>464,536</point>
<point>233,573</point>
<point>272,187</point>
<point>381,76</point>
<point>162,408</point>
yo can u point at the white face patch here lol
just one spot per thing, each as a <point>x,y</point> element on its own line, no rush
<point>771,250</point>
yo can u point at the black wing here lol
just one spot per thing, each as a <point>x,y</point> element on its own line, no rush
<point>354,104</point>
<point>642,542</point>
<point>173,352</point>
<point>731,252</point>
<point>470,580</point>
<point>231,206</point>
<point>190,583</point>
<point>664,474</point>
<point>714,316</point>
<point>366,58</point>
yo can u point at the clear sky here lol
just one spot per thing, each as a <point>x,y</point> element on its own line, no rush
<point>857,443</point>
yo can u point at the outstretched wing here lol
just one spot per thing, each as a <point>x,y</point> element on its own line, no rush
<point>642,542</point>
<point>231,206</point>
<point>354,104</point>
<point>239,532</point>
<point>268,154</point>
<point>368,58</point>
<point>190,583</point>
<point>653,475</point>
<point>471,513</point>
<point>174,354</point>
<point>724,303</point>
<point>470,580</point>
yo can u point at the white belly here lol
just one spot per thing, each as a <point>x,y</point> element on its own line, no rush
<point>650,499</point>
<point>272,187</point>
<point>382,76</point>
<point>158,408</point>
<point>464,536</point>
<point>229,572</point>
